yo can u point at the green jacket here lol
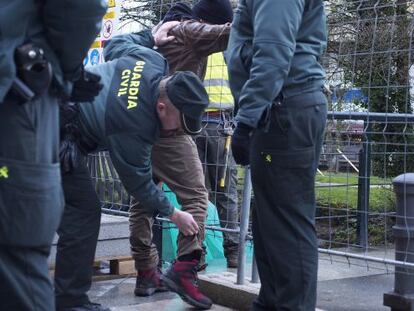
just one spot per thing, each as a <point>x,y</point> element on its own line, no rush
<point>65,29</point>
<point>274,48</point>
<point>123,120</point>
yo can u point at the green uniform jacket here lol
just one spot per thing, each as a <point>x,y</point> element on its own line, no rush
<point>273,49</point>
<point>123,118</point>
<point>65,29</point>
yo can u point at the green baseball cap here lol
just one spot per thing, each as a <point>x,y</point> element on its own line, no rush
<point>187,93</point>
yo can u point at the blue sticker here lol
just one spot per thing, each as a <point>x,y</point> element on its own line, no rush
<point>94,57</point>
<point>86,60</point>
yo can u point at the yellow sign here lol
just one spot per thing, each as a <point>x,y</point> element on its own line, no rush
<point>96,45</point>
<point>111,3</point>
<point>109,15</point>
<point>4,172</point>
<point>268,158</point>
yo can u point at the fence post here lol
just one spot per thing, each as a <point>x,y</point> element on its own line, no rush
<point>244,226</point>
<point>402,298</point>
<point>363,188</point>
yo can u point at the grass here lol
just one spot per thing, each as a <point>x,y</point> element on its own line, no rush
<point>340,199</point>
<point>381,198</point>
<point>343,192</point>
<point>339,196</point>
<point>348,178</point>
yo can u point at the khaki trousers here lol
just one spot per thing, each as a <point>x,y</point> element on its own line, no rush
<point>175,161</point>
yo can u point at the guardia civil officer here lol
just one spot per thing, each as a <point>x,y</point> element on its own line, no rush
<point>41,52</point>
<point>138,99</point>
<point>277,82</point>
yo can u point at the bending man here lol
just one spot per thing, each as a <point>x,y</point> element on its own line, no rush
<point>193,42</point>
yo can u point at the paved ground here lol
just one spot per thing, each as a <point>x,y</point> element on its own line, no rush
<point>350,294</point>
<point>355,294</point>
<point>118,294</point>
<point>354,285</point>
<point>343,286</point>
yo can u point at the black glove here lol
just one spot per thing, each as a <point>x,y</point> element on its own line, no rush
<point>68,154</point>
<point>86,88</point>
<point>240,144</point>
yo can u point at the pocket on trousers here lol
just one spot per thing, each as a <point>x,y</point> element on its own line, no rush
<point>291,171</point>
<point>299,158</point>
<point>31,203</point>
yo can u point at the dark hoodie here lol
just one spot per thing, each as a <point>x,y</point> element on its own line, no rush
<point>178,12</point>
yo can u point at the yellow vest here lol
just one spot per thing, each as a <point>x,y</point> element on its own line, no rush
<point>217,84</point>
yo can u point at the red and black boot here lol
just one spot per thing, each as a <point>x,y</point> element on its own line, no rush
<point>149,282</point>
<point>181,278</point>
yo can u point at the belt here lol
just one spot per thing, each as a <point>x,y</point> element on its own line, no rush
<point>313,98</point>
<point>299,89</point>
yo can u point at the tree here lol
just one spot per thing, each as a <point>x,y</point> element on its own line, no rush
<point>148,13</point>
<point>370,48</point>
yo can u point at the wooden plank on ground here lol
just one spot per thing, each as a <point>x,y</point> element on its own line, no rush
<point>122,266</point>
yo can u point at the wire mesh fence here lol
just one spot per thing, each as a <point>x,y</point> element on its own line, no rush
<point>369,134</point>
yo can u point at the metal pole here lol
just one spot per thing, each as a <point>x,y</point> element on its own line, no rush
<point>366,258</point>
<point>255,271</point>
<point>402,298</point>
<point>244,226</point>
<point>207,227</point>
<point>363,188</point>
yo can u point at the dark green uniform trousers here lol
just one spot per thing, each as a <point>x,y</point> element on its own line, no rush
<point>78,236</point>
<point>31,202</point>
<point>284,161</point>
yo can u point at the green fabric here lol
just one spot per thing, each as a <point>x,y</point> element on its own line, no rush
<point>213,240</point>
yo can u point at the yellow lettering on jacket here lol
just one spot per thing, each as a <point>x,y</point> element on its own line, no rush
<point>130,83</point>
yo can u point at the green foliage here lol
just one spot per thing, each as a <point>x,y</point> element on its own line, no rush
<point>370,41</point>
<point>340,192</point>
<point>337,198</point>
<point>381,198</point>
<point>348,179</point>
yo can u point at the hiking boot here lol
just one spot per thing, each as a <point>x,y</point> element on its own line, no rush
<point>90,306</point>
<point>232,258</point>
<point>181,278</point>
<point>149,282</point>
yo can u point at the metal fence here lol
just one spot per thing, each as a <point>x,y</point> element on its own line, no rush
<point>369,138</point>
<point>369,134</point>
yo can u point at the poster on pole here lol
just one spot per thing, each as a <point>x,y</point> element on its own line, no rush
<point>110,28</point>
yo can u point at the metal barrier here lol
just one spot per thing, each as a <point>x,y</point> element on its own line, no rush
<point>369,134</point>
<point>353,212</point>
